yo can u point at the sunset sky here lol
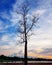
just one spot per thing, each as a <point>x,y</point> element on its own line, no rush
<point>40,44</point>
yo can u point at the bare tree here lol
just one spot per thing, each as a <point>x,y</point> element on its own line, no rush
<point>25,25</point>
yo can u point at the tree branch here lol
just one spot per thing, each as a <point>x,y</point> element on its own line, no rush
<point>33,22</point>
<point>19,12</point>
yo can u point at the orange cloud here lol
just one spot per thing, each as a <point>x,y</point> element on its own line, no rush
<point>39,55</point>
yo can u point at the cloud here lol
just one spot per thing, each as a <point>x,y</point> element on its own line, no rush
<point>1,27</point>
<point>46,52</point>
<point>39,12</point>
<point>45,4</point>
<point>8,42</point>
<point>15,18</point>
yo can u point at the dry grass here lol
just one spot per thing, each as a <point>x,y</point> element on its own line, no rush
<point>28,64</point>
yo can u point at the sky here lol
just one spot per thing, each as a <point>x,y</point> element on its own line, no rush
<point>40,44</point>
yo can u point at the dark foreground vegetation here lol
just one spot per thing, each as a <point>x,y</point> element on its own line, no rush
<point>23,63</point>
<point>11,59</point>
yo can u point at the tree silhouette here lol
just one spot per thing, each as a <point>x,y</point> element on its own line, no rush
<point>25,25</point>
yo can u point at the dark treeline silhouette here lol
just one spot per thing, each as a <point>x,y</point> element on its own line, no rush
<point>11,59</point>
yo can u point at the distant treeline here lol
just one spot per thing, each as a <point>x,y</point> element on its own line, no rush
<point>11,59</point>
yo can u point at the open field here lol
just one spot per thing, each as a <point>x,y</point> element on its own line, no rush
<point>29,63</point>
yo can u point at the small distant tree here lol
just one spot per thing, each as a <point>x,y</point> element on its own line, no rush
<point>25,25</point>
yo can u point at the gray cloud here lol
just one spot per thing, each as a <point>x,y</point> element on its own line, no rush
<point>46,51</point>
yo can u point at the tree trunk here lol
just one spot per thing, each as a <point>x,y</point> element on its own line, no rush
<point>25,56</point>
<point>25,50</point>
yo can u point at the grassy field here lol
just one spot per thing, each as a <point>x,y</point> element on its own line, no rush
<point>28,64</point>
